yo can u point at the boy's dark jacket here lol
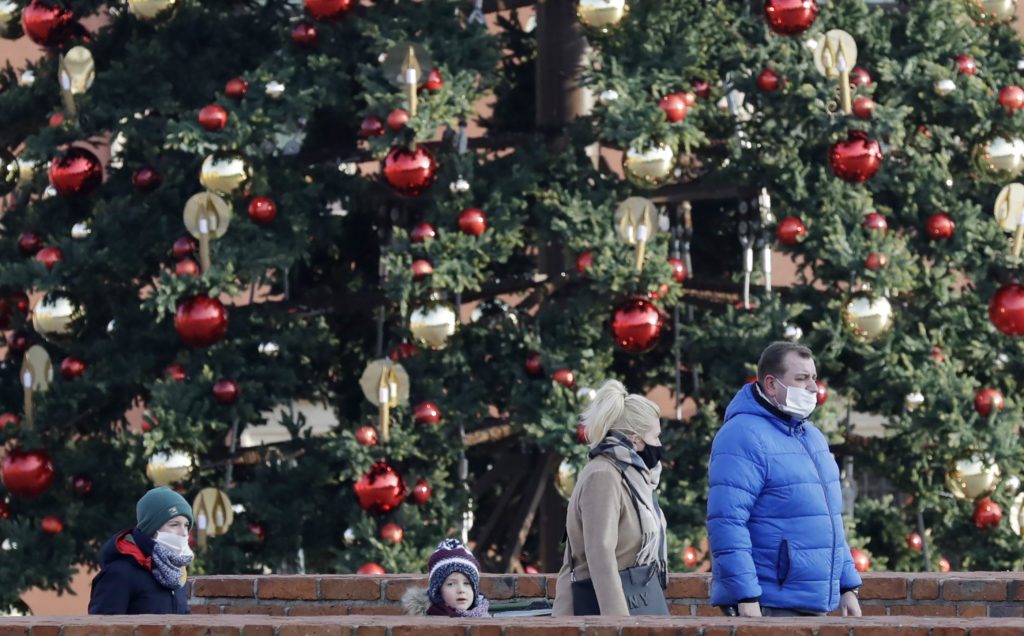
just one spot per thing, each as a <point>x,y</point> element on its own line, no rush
<point>126,585</point>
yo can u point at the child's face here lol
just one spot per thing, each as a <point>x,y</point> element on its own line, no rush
<point>456,591</point>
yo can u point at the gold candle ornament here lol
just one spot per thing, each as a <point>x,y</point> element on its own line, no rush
<point>1009,213</point>
<point>404,65</point>
<point>636,222</point>
<point>206,217</point>
<point>76,71</point>
<point>834,56</point>
<point>213,514</point>
<point>36,376</point>
<point>385,384</point>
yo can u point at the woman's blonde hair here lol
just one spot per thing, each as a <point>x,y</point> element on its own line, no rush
<point>615,409</point>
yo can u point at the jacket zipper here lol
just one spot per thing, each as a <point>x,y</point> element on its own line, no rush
<point>831,518</point>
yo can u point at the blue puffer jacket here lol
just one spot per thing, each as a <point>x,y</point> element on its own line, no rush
<point>775,511</point>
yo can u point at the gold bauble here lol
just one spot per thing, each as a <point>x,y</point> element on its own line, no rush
<point>27,171</point>
<point>164,469</point>
<point>151,9</point>
<point>992,11</point>
<point>10,19</point>
<point>225,173</point>
<point>9,172</point>
<point>972,478</point>
<point>433,324</point>
<point>1000,159</point>
<point>212,511</point>
<point>867,318</point>
<point>565,478</point>
<point>601,14</point>
<point>648,168</point>
<point>57,317</point>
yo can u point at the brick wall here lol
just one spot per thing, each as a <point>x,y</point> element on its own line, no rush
<point>961,594</point>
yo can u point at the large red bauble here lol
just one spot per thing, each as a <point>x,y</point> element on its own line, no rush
<point>1011,98</point>
<point>636,326</point>
<point>392,533</point>
<point>678,266</point>
<point>420,492</point>
<point>473,222</point>
<point>863,107</point>
<point>791,230</point>
<point>581,434</point>
<point>533,365</point>
<point>915,542</point>
<point>876,261</point>
<point>861,560</point>
<point>987,399</point>
<point>860,77</point>
<point>789,17</point>
<point>421,268</point>
<point>965,65</point>
<point>876,222</point>
<point>768,81</point>
<point>371,126</point>
<point>187,266</point>
<point>328,9</point>
<point>366,435</point>
<point>1006,309</point>
<point>421,232</point>
<point>213,117</point>
<point>27,473</point>
<point>200,320</point>
<point>176,372</point>
<point>72,367</point>
<point>146,179</point>
<point>29,243</point>
<point>410,172</point>
<point>9,419</point>
<point>226,391</point>
<point>47,24</point>
<point>236,88</point>
<point>987,513</point>
<point>184,247</point>
<point>434,81</point>
<point>50,256</point>
<point>855,159</point>
<point>17,341</point>
<point>78,173</point>
<point>940,226</point>
<point>584,261</point>
<point>426,413</point>
<point>381,489</point>
<point>674,105</point>
<point>51,525</point>
<point>822,392</point>
<point>397,119</point>
<point>565,377</point>
<point>262,210</point>
<point>370,569</point>
<point>305,34</point>
<point>690,557</point>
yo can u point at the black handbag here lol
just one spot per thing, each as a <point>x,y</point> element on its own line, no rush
<point>642,585</point>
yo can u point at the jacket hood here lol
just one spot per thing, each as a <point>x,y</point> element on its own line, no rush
<point>415,601</point>
<point>128,544</point>
<point>749,401</point>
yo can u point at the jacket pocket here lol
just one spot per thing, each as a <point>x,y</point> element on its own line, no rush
<point>782,566</point>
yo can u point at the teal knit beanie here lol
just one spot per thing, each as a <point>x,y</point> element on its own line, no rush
<point>157,507</point>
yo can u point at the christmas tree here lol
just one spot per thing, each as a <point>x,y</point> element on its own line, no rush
<point>304,207</point>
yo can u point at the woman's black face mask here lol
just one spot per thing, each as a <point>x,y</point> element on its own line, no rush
<point>650,455</point>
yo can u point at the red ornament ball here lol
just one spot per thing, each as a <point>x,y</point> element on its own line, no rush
<point>200,320</point>
<point>790,17</point>
<point>72,367</point>
<point>822,392</point>
<point>47,23</point>
<point>421,268</point>
<point>584,261</point>
<point>187,266</point>
<point>965,65</point>
<point>1011,98</point>
<point>701,88</point>
<point>403,351</point>
<point>146,179</point>
<point>212,117</point>
<point>876,261</point>
<point>371,126</point>
<point>420,492</point>
<point>434,81</point>
<point>305,34</point>
<point>17,341</point>
<point>366,435</point>
<point>5,512</point>
<point>18,300</point>
<point>50,256</point>
<point>690,557</point>
<point>861,560</point>
<point>565,377</point>
<point>791,231</point>
<point>236,88</point>
<point>9,419</point>
<point>937,355</point>
<point>370,569</point>
<point>987,513</point>
<point>674,105</point>
<point>397,119</point>
<point>328,9</point>
<point>768,81</point>
<point>426,413</point>
<point>51,525</point>
<point>940,226</point>
<point>56,119</point>
<point>262,210</point>
<point>421,232</point>
<point>78,173</point>
<point>226,391</point>
<point>581,434</point>
<point>381,489</point>
<point>876,222</point>
<point>410,172</point>
<point>473,222</point>
<point>678,266</point>
<point>176,372</point>
<point>256,529</point>
<point>29,243</point>
<point>27,473</point>
<point>986,400</point>
<point>915,542</point>
<point>636,326</point>
<point>81,485</point>
<point>533,365</point>
<point>856,158</point>
<point>944,565</point>
<point>863,107</point>
<point>1006,309</point>
<point>392,532</point>
<point>860,77</point>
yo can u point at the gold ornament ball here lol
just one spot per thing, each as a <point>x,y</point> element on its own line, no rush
<point>648,168</point>
<point>10,19</point>
<point>1000,159</point>
<point>992,11</point>
<point>151,9</point>
<point>565,478</point>
<point>57,317</point>
<point>867,318</point>
<point>9,172</point>
<point>164,469</point>
<point>225,173</point>
<point>433,324</point>
<point>972,478</point>
<point>601,14</point>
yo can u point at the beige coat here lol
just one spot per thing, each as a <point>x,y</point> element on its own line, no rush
<point>604,533</point>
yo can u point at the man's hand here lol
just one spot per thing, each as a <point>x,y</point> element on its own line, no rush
<point>754,609</point>
<point>849,605</point>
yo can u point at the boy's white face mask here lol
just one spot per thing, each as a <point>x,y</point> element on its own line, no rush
<point>174,542</point>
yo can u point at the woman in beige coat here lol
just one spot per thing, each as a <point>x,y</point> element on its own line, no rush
<point>604,530</point>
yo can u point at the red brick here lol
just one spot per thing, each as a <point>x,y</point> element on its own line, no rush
<point>397,587</point>
<point>369,630</point>
<point>531,586</point>
<point>679,609</point>
<point>873,610</point>
<point>216,586</point>
<point>708,610</point>
<point>98,628</point>
<point>498,587</point>
<point>995,630</point>
<point>601,630</point>
<point>974,590</point>
<point>19,630</point>
<point>355,588</point>
<point>257,630</point>
<point>318,629</point>
<point>949,631</point>
<point>42,630</point>
<point>542,630</point>
<point>485,630</point>
<point>925,589</point>
<point>201,630</point>
<point>887,630</point>
<point>1006,611</point>
<point>206,609</point>
<point>302,588</point>
<point>689,587</point>
<point>676,630</point>
<point>423,630</point>
<point>791,629</point>
<point>551,586</point>
<point>718,631</point>
<point>1017,590</point>
<point>884,588</point>
<point>922,610</point>
<point>265,610</point>
<point>376,610</point>
<point>143,630</point>
<point>320,609</point>
<point>834,630</point>
<point>972,611</point>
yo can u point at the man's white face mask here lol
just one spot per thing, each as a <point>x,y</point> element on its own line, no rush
<point>799,401</point>
<point>174,542</point>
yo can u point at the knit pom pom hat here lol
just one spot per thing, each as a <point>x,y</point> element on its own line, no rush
<point>451,556</point>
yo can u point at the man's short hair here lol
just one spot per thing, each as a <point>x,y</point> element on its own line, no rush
<point>773,358</point>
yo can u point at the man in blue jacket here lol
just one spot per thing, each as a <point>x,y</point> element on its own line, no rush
<point>774,507</point>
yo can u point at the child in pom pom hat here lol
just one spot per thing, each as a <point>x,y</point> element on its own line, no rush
<point>454,585</point>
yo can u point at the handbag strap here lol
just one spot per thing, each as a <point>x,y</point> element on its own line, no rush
<point>633,497</point>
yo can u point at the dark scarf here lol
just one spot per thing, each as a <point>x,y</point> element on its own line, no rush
<point>479,609</point>
<point>169,568</point>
